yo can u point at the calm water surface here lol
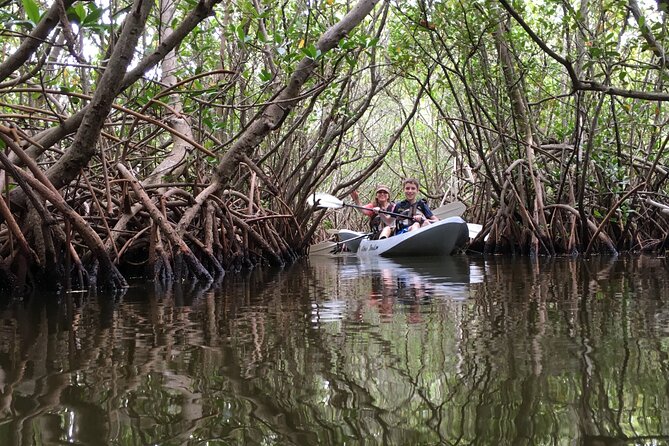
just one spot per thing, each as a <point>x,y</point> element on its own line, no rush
<point>350,352</point>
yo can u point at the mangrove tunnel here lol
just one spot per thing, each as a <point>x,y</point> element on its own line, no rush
<point>181,139</point>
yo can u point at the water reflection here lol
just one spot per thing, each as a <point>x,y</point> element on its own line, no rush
<point>399,284</point>
<point>346,351</point>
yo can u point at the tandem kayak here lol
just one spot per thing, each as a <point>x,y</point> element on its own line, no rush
<point>438,239</point>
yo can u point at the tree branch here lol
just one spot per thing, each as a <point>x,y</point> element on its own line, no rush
<point>576,83</point>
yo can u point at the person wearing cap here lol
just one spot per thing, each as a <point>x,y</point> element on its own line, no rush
<point>380,223</point>
<point>417,211</point>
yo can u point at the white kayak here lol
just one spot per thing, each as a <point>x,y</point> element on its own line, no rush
<point>438,239</point>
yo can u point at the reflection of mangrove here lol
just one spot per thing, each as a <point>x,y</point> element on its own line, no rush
<point>555,352</point>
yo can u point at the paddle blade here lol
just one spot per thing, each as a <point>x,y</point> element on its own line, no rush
<point>474,229</point>
<point>322,248</point>
<point>454,209</point>
<point>322,200</point>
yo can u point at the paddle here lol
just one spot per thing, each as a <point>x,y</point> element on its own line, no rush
<point>474,229</point>
<point>322,247</point>
<point>328,246</point>
<point>453,209</point>
<point>327,201</point>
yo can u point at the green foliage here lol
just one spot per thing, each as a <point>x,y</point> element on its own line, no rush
<point>311,51</point>
<point>464,123</point>
<point>32,10</point>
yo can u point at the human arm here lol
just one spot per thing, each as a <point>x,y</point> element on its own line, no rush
<point>368,210</point>
<point>356,197</point>
<point>433,217</point>
<point>388,220</point>
<point>427,213</point>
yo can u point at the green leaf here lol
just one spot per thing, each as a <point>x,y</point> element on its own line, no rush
<point>346,44</point>
<point>311,51</point>
<point>241,35</point>
<point>20,23</point>
<point>32,10</point>
<point>265,75</point>
<point>247,8</point>
<point>81,12</point>
<point>595,52</point>
<point>92,17</point>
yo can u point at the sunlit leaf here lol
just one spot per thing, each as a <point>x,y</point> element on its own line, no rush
<point>265,75</point>
<point>311,51</point>
<point>32,10</point>
<point>93,16</point>
<point>80,11</point>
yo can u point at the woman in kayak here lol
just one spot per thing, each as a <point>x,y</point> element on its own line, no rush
<point>381,224</point>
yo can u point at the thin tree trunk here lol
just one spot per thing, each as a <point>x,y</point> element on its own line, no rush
<point>174,164</point>
<point>51,136</point>
<point>275,113</point>
<point>522,119</point>
<point>83,146</point>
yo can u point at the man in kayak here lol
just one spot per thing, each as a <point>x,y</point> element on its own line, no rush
<point>381,224</point>
<point>417,211</point>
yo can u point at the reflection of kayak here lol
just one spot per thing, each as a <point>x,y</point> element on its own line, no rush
<point>448,277</point>
<point>438,239</point>
<point>456,269</point>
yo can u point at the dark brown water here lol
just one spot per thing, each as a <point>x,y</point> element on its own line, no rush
<point>343,352</point>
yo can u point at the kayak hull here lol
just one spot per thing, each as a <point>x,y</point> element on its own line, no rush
<point>437,239</point>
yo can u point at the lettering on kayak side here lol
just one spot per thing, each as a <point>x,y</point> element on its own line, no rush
<point>369,248</point>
